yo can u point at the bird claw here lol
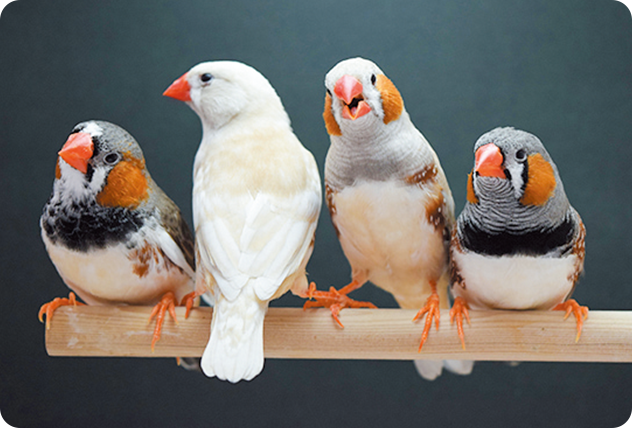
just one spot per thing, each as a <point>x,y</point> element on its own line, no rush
<point>335,300</point>
<point>189,300</point>
<point>458,310</point>
<point>49,308</point>
<point>433,311</point>
<point>166,304</point>
<point>580,312</point>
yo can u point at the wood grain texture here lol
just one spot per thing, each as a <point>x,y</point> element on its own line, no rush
<point>371,334</point>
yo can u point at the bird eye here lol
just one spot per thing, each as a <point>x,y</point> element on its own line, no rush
<point>206,77</point>
<point>112,158</point>
<point>521,155</point>
<point>373,79</point>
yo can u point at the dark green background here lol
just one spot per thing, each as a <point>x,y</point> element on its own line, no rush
<point>559,69</point>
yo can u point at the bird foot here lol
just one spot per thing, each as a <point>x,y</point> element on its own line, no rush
<point>580,312</point>
<point>432,309</point>
<point>457,312</point>
<point>50,307</point>
<point>189,300</point>
<point>166,304</point>
<point>335,300</point>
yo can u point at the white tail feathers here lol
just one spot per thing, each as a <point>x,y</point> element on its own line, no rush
<point>431,369</point>
<point>235,349</point>
<point>460,367</point>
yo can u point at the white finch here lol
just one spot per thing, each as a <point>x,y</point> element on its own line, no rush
<point>114,236</point>
<point>518,244</point>
<point>256,200</point>
<point>388,197</point>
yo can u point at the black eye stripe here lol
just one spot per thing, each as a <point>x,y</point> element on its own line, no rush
<point>89,173</point>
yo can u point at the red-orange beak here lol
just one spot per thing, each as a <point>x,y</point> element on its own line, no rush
<point>179,89</point>
<point>489,161</point>
<point>349,90</point>
<point>77,151</point>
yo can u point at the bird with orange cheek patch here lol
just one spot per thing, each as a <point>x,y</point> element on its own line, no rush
<point>389,200</point>
<point>518,244</point>
<point>114,236</point>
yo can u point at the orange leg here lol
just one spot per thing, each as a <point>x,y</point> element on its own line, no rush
<point>433,311</point>
<point>580,312</point>
<point>166,304</point>
<point>189,300</point>
<point>460,309</point>
<point>335,300</point>
<point>50,307</point>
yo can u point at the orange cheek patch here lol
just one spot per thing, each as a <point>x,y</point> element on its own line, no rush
<point>126,185</point>
<point>471,196</point>
<point>330,121</point>
<point>331,204</point>
<point>540,181</point>
<point>57,170</point>
<point>392,101</point>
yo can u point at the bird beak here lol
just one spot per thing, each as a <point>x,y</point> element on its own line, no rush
<point>489,161</point>
<point>349,90</point>
<point>180,89</point>
<point>77,151</point>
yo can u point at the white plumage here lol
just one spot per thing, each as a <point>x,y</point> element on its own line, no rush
<point>256,200</point>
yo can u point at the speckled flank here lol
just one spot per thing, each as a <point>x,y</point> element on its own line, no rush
<point>331,204</point>
<point>423,176</point>
<point>579,250</point>
<point>435,212</point>
<point>146,257</point>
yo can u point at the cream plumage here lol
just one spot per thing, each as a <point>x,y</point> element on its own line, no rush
<point>256,200</point>
<point>388,197</point>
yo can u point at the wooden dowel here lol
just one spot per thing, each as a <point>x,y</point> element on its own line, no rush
<point>372,334</point>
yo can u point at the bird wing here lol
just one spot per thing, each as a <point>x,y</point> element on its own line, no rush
<point>262,237</point>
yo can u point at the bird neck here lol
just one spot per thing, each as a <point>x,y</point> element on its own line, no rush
<point>376,152</point>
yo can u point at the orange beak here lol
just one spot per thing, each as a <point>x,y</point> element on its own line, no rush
<point>489,161</point>
<point>77,151</point>
<point>349,90</point>
<point>179,89</point>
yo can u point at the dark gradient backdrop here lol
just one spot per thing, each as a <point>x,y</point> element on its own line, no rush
<point>561,69</point>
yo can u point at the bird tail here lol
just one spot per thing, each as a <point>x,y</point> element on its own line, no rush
<point>431,369</point>
<point>235,349</point>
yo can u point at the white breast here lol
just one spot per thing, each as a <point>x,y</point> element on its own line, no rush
<point>110,276</point>
<point>514,282</point>
<point>384,232</point>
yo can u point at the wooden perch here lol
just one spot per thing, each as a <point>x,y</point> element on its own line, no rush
<point>372,334</point>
